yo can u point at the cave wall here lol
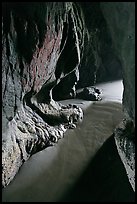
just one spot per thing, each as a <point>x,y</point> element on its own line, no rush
<point>41,44</point>
<point>55,45</point>
<point>99,63</point>
<point>31,45</point>
<point>35,43</point>
<point>120,18</point>
<point>121,24</point>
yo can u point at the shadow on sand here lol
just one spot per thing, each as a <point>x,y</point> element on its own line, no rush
<point>104,180</point>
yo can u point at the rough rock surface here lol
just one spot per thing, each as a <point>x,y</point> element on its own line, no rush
<point>89,93</point>
<point>36,41</point>
<point>122,27</point>
<point>29,133</point>
<point>66,89</point>
<point>125,142</point>
<point>46,48</point>
<point>99,62</point>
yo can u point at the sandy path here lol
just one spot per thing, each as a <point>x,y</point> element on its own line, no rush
<point>48,175</point>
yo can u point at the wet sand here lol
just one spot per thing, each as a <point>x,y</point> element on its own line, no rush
<point>55,173</point>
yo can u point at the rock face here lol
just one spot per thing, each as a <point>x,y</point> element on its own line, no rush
<point>125,142</point>
<point>41,44</point>
<point>89,93</point>
<point>122,28</point>
<point>48,50</point>
<point>99,62</point>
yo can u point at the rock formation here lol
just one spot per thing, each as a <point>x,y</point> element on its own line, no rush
<point>42,43</point>
<point>99,62</point>
<point>49,49</point>
<point>122,27</point>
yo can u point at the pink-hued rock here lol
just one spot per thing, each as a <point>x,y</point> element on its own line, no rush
<point>32,44</point>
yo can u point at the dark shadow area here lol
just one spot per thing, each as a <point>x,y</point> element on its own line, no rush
<point>100,62</point>
<point>104,180</point>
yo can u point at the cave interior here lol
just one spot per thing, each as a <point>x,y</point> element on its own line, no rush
<point>55,56</point>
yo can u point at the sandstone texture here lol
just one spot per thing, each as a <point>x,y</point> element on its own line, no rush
<point>51,49</point>
<point>41,44</point>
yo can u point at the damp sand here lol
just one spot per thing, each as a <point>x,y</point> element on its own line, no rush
<point>49,175</point>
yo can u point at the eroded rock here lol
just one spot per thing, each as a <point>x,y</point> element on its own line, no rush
<point>89,93</point>
<point>125,141</point>
<point>28,133</point>
<point>122,28</point>
<point>41,44</point>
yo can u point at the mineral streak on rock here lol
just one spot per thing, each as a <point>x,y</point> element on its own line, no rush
<point>36,44</point>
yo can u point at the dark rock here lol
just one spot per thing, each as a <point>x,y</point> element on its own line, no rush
<point>122,24</point>
<point>125,141</point>
<point>66,89</point>
<point>89,93</point>
<point>100,62</point>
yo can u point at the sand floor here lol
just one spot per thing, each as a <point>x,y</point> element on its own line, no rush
<point>49,175</point>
